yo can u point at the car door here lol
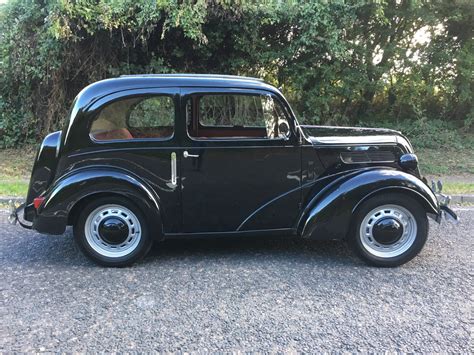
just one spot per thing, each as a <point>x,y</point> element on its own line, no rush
<point>135,130</point>
<point>241,162</point>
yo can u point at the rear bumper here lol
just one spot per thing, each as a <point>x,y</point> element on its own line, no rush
<point>47,225</point>
<point>16,216</point>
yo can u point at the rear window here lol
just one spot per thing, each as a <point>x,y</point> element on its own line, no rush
<point>135,118</point>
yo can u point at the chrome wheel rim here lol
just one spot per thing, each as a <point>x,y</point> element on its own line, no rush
<point>397,214</point>
<point>100,244</point>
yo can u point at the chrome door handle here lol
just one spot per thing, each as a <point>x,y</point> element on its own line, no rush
<point>174,174</point>
<point>187,155</point>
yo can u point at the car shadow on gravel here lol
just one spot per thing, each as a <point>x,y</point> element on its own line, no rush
<point>28,247</point>
<point>252,249</point>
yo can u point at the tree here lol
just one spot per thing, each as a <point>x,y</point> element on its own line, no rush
<point>337,61</point>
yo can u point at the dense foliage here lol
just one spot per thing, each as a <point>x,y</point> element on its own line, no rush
<point>338,62</point>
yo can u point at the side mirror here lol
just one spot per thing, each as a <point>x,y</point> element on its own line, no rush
<point>283,130</point>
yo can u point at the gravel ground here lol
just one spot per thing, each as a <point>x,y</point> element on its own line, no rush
<point>239,294</point>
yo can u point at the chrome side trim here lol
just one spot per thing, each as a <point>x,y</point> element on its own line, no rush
<point>364,157</point>
<point>356,140</point>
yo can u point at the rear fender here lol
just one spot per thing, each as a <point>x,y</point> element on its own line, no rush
<point>52,216</point>
<point>43,171</point>
<point>329,213</point>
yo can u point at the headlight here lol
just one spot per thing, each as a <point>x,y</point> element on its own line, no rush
<point>409,162</point>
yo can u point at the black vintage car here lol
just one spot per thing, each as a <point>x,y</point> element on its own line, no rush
<point>152,157</point>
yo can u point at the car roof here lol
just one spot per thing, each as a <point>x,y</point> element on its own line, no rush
<point>144,81</point>
<point>101,89</point>
<point>194,76</point>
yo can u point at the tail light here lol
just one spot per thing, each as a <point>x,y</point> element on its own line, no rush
<point>38,201</point>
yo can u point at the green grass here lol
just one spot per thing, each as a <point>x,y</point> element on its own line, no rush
<point>446,161</point>
<point>13,189</point>
<point>458,188</point>
<point>16,164</point>
<point>15,170</point>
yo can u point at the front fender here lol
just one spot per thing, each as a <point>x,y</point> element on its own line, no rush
<point>328,214</point>
<point>65,193</point>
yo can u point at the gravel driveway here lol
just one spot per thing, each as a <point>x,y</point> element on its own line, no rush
<point>239,294</point>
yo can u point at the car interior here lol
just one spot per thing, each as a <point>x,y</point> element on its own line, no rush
<point>125,119</point>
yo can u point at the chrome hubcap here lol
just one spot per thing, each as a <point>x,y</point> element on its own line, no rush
<point>113,231</point>
<point>388,231</point>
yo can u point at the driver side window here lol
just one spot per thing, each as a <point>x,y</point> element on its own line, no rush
<point>236,116</point>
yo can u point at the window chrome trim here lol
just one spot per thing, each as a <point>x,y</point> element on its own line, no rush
<point>131,140</point>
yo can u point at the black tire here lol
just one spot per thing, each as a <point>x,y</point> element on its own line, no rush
<point>356,238</point>
<point>91,246</point>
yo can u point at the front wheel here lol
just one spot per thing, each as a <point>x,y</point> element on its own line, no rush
<point>389,230</point>
<point>112,232</point>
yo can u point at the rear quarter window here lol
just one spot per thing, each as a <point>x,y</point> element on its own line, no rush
<point>135,118</point>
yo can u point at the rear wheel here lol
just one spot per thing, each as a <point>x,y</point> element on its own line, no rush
<point>389,230</point>
<point>112,232</point>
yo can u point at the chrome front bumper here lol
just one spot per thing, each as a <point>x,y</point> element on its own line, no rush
<point>445,212</point>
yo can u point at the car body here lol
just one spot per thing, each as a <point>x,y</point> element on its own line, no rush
<point>213,155</point>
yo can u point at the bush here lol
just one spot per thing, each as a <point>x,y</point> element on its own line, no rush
<point>429,134</point>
